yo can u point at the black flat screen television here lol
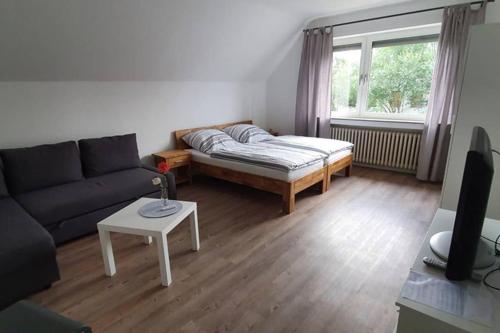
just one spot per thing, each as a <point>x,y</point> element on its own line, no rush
<point>472,204</point>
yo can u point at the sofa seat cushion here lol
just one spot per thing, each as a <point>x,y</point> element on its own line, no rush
<point>109,154</point>
<point>29,169</point>
<point>23,241</point>
<point>3,188</point>
<point>60,203</point>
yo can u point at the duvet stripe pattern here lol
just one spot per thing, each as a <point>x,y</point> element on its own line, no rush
<point>269,156</point>
<point>320,145</point>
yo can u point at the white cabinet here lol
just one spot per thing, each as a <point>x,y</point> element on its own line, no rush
<point>479,106</point>
<point>416,317</point>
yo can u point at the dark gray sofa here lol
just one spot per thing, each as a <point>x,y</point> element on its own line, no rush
<point>51,194</point>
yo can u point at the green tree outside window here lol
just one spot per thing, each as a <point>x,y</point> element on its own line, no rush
<point>400,77</point>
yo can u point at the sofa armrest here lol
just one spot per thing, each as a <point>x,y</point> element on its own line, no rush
<point>26,316</point>
<point>172,188</point>
<point>149,167</point>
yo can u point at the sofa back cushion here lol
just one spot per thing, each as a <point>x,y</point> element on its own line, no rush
<point>28,169</point>
<point>109,154</point>
<point>3,187</point>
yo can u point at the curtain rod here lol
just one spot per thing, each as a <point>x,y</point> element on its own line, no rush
<point>394,15</point>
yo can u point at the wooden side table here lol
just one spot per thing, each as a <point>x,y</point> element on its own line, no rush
<point>179,160</point>
<point>273,132</point>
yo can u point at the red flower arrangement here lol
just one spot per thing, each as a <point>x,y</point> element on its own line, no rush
<point>163,167</point>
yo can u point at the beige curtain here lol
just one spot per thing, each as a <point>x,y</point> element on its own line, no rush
<point>313,88</point>
<point>446,85</point>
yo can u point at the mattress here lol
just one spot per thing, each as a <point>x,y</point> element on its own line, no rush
<point>289,176</point>
<point>337,156</point>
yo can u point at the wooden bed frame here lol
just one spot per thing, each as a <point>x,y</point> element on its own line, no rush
<point>287,190</point>
<point>345,163</point>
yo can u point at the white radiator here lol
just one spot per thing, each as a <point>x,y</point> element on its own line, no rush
<point>383,148</point>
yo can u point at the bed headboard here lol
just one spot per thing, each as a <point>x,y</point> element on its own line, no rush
<point>180,144</point>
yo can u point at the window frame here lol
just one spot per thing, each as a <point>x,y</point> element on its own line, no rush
<point>367,40</point>
<point>343,47</point>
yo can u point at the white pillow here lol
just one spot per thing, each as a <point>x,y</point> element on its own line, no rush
<point>207,140</point>
<point>248,133</point>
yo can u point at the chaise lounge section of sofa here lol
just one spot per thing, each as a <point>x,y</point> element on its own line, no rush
<point>27,251</point>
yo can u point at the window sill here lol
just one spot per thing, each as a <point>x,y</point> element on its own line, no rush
<point>385,123</point>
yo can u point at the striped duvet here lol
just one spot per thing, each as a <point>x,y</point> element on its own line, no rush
<point>269,156</point>
<point>319,145</point>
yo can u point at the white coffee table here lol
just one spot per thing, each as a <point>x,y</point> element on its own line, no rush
<point>129,221</point>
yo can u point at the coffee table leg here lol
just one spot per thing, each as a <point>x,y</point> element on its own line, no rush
<point>162,245</point>
<point>107,253</point>
<point>148,240</point>
<point>195,235</point>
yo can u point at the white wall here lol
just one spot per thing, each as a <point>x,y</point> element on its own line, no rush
<point>493,13</point>
<point>130,40</point>
<point>282,83</point>
<point>479,106</point>
<point>46,112</point>
<point>281,89</point>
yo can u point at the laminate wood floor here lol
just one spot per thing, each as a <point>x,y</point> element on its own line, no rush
<point>335,265</point>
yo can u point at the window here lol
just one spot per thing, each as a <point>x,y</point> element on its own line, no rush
<point>384,76</point>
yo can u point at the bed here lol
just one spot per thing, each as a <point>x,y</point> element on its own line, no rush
<point>337,154</point>
<point>286,184</point>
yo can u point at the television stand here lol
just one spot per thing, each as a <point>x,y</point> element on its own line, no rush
<point>440,245</point>
<point>416,317</point>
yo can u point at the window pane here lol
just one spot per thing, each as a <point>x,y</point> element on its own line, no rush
<point>400,78</point>
<point>345,76</point>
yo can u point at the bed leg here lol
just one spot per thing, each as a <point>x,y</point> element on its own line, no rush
<point>327,180</point>
<point>288,200</point>
<point>348,170</point>
<point>325,184</point>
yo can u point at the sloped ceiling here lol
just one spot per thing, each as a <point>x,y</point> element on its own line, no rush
<point>152,40</point>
